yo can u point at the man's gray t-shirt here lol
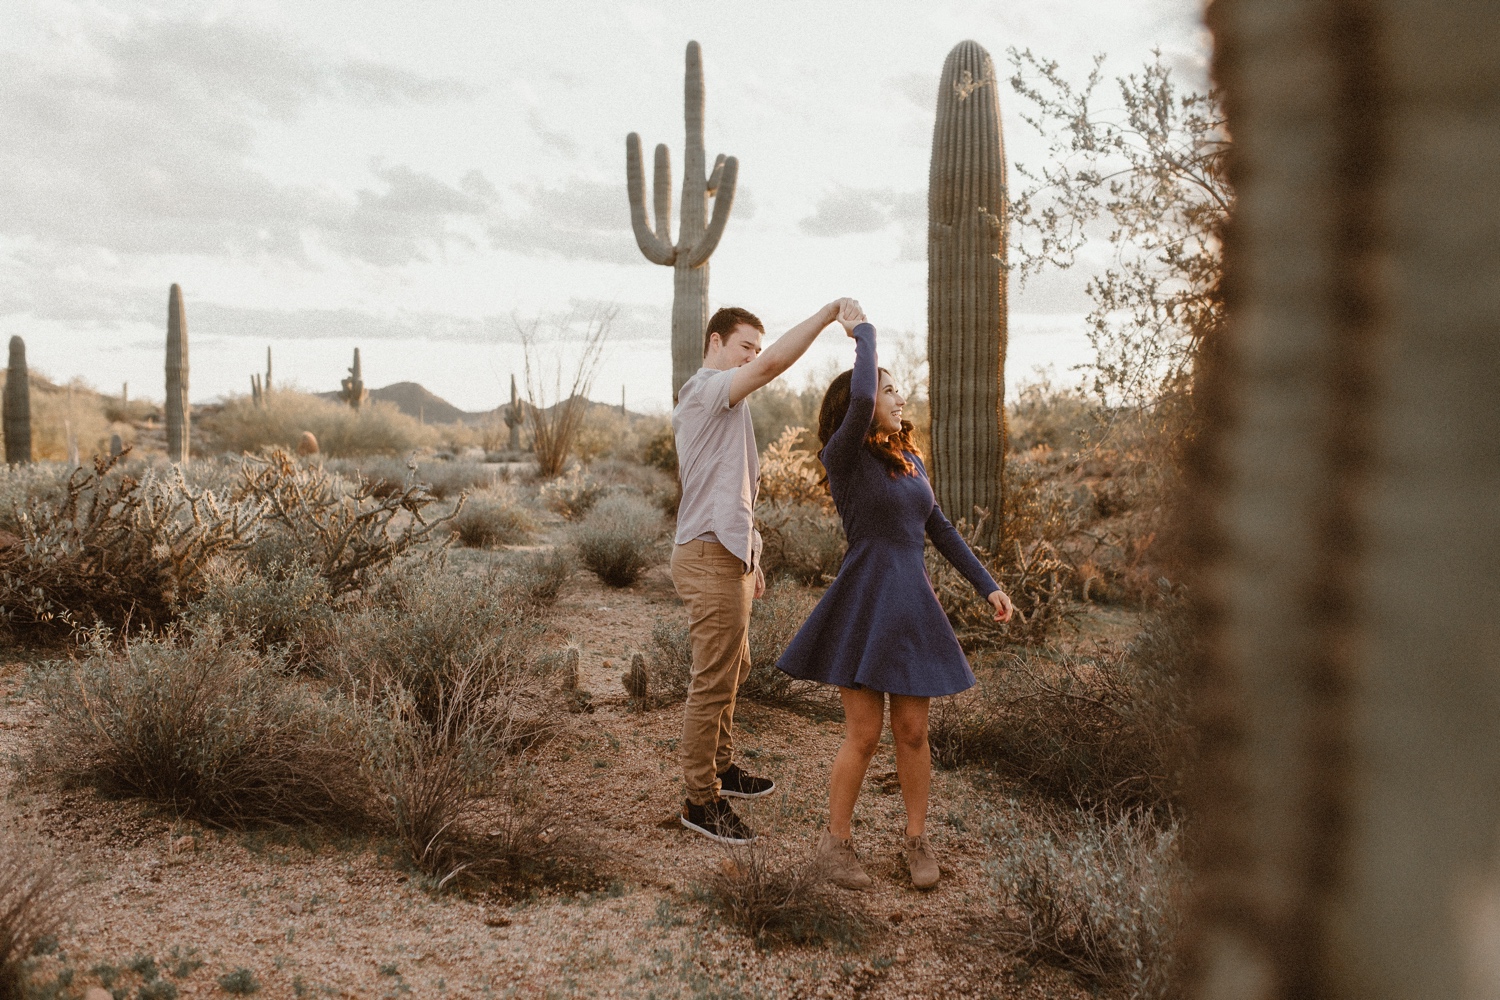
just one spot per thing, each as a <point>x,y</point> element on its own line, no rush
<point>718,465</point>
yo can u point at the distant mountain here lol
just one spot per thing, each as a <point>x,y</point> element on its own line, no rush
<point>414,400</point>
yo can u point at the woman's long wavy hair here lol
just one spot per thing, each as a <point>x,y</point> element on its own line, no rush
<point>891,450</point>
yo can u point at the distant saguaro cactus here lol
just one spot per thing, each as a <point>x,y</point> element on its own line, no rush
<point>178,412</point>
<point>697,236</point>
<point>353,387</point>
<point>257,393</point>
<point>17,406</point>
<point>514,417</point>
<point>966,321</point>
<point>266,387</point>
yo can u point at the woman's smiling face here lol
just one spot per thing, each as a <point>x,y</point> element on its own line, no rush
<point>888,406</point>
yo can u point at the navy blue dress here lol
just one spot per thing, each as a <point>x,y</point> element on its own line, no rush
<point>879,625</point>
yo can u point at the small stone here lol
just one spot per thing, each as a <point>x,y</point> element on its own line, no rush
<point>307,444</point>
<point>97,993</point>
<point>496,920</point>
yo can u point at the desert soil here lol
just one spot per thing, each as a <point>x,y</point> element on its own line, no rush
<point>330,916</point>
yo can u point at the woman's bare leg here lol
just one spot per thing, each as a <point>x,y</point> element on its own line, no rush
<point>864,716</point>
<point>913,758</point>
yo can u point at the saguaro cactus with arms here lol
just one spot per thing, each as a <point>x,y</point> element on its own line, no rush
<point>697,234</point>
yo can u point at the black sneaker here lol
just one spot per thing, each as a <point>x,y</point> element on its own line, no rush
<point>739,785</point>
<point>716,821</point>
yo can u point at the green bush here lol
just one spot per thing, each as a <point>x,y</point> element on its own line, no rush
<point>492,519</point>
<point>1103,898</point>
<point>205,724</point>
<point>241,981</point>
<point>537,578</point>
<point>619,539</point>
<point>422,632</point>
<point>573,495</point>
<point>1106,732</point>
<point>803,541</point>
<point>288,606</point>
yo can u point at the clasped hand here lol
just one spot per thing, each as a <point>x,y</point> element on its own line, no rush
<point>849,314</point>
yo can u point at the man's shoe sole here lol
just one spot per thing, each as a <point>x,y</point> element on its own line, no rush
<point>727,794</point>
<point>716,837</point>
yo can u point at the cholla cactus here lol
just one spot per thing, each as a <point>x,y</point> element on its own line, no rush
<point>570,666</point>
<point>697,236</point>
<point>966,320</point>
<point>353,387</point>
<point>178,411</point>
<point>17,419</point>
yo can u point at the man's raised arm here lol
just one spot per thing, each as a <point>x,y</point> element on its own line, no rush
<point>781,355</point>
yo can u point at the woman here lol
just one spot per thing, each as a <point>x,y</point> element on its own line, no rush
<point>879,629</point>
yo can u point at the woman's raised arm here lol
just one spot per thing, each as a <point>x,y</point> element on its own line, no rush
<point>845,443</point>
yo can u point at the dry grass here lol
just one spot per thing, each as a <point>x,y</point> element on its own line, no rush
<point>777,898</point>
<point>287,606</point>
<point>1102,896</point>
<point>619,539</point>
<point>1107,731</point>
<point>32,908</point>
<point>374,429</point>
<point>465,810</point>
<point>206,725</point>
<point>537,578</point>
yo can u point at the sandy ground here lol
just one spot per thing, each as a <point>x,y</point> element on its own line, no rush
<point>331,916</point>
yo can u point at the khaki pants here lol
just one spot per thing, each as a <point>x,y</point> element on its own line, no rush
<point>717,590</point>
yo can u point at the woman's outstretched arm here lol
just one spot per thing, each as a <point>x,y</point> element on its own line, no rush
<point>947,540</point>
<point>845,443</point>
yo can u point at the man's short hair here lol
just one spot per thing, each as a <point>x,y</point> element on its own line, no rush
<point>725,320</point>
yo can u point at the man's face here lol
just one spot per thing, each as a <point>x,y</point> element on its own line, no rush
<point>735,348</point>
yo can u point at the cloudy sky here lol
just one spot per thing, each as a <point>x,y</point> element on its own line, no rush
<point>417,184</point>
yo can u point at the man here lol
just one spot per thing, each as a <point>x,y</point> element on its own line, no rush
<point>716,561</point>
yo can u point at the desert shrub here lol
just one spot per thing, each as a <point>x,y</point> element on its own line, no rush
<point>22,486</point>
<point>205,724</point>
<point>241,982</point>
<point>1103,898</point>
<point>375,428</point>
<point>116,549</point>
<point>417,637</point>
<point>1044,414</point>
<point>774,620</point>
<point>537,578</point>
<point>58,409</point>
<point>491,519</point>
<point>32,904</point>
<point>632,477</point>
<point>790,473</point>
<point>1035,576</point>
<point>776,897</point>
<point>605,432</point>
<point>803,541</point>
<point>619,539</point>
<point>463,808</point>
<point>283,605</point>
<point>660,450</point>
<point>572,495</point>
<point>778,407</point>
<point>447,479</point>
<point>1108,731</point>
<point>348,533</point>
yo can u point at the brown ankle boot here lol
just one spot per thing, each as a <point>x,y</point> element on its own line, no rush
<point>920,859</point>
<point>840,862</point>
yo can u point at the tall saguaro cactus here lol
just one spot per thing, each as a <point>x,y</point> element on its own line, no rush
<point>1348,824</point>
<point>697,234</point>
<point>966,322</point>
<point>178,412</point>
<point>17,406</point>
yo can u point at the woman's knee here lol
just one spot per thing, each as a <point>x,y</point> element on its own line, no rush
<point>862,740</point>
<point>909,723</point>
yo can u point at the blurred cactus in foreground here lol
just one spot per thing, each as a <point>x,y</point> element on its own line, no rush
<point>697,237</point>
<point>17,406</point>
<point>352,388</point>
<point>178,411</point>
<point>966,321</point>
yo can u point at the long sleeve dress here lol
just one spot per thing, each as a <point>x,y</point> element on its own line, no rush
<point>879,625</point>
